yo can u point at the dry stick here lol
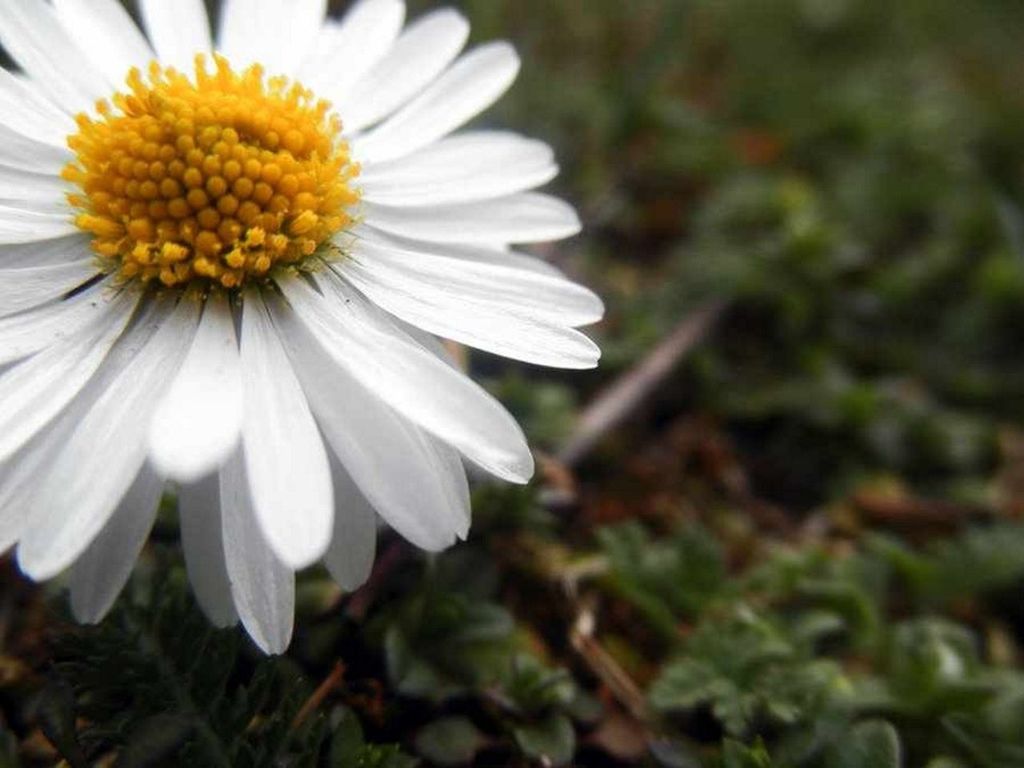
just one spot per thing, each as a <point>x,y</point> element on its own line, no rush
<point>313,703</point>
<point>606,668</point>
<point>623,397</point>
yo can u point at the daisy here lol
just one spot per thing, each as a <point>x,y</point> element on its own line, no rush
<point>225,263</point>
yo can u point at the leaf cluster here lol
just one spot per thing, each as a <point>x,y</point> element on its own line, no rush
<point>816,651</point>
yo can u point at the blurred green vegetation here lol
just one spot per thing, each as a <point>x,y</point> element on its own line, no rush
<point>804,551</point>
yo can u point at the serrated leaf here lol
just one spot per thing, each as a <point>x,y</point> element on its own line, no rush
<point>649,573</point>
<point>450,741</point>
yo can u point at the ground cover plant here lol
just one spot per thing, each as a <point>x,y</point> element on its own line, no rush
<point>780,526</point>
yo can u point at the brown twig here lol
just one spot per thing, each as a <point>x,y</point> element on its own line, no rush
<point>625,395</point>
<point>606,668</point>
<point>316,699</point>
<point>914,513</point>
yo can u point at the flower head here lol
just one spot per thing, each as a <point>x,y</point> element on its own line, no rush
<point>225,267</point>
<point>215,177</point>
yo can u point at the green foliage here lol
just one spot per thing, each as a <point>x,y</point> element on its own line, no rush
<point>444,640</point>
<point>551,740</point>
<point>443,644</point>
<point>806,647</point>
<point>983,559</point>
<point>737,755</point>
<point>450,741</point>
<point>872,744</point>
<point>751,671</point>
<point>649,573</point>
<point>349,748</point>
<point>158,684</point>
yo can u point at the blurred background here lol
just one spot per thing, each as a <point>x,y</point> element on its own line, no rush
<point>779,527</point>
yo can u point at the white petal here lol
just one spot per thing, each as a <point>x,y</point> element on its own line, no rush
<point>21,226</point>
<point>429,342</point>
<point>36,189</point>
<point>456,483</point>
<point>178,30</point>
<point>202,539</point>
<point>25,110</point>
<point>525,218</point>
<point>302,22</point>
<point>106,35</point>
<point>349,559</point>
<point>473,83</point>
<point>465,168</point>
<point>44,252</point>
<point>456,282</point>
<point>108,446</point>
<point>278,34</point>
<point>12,516</point>
<point>411,380</point>
<point>289,475</point>
<point>24,153</point>
<point>30,32</point>
<point>241,37</point>
<point>53,206</point>
<point>263,588</point>
<point>462,311</point>
<point>35,391</point>
<point>19,480</point>
<point>390,460</point>
<point>481,254</point>
<point>198,422</point>
<point>28,332</point>
<point>99,575</point>
<point>29,287</point>
<point>422,52</point>
<point>348,50</point>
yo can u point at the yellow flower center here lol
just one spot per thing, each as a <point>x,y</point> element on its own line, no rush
<point>215,179</point>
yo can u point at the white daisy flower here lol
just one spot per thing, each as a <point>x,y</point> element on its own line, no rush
<point>224,265</point>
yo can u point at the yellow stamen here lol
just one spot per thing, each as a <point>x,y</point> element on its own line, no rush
<point>216,179</point>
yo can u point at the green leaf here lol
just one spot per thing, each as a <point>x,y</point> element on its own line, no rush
<point>872,744</point>
<point>531,688</point>
<point>747,667</point>
<point>450,741</point>
<point>376,756</point>
<point>153,740</point>
<point>55,713</point>
<point>737,755</point>
<point>665,579</point>
<point>440,644</point>
<point>673,754</point>
<point>552,739</point>
<point>349,748</point>
<point>347,739</point>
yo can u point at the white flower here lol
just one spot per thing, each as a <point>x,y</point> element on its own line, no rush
<point>217,279</point>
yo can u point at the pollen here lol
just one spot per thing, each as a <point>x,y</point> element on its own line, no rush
<point>215,179</point>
